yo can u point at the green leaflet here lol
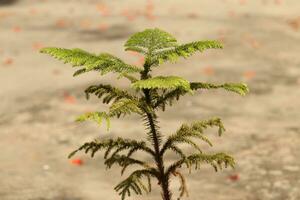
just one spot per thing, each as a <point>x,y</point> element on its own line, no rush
<point>108,93</point>
<point>175,94</point>
<point>163,82</point>
<point>124,107</point>
<point>184,50</point>
<point>195,130</point>
<point>150,40</point>
<point>117,145</point>
<point>215,160</point>
<point>239,88</point>
<point>134,183</point>
<point>95,116</point>
<point>104,62</point>
<point>204,124</point>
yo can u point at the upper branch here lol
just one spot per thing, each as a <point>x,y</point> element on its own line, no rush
<point>90,62</point>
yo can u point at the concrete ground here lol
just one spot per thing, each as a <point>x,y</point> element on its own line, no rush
<point>40,99</point>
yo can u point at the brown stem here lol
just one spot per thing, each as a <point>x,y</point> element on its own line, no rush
<point>162,178</point>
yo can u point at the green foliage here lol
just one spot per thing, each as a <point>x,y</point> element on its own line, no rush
<point>186,132</point>
<point>168,97</point>
<point>239,88</point>
<point>104,62</point>
<point>109,145</point>
<point>95,116</point>
<point>125,107</point>
<point>110,93</point>
<point>185,50</point>
<point>150,40</point>
<point>216,161</point>
<point>150,94</point>
<point>134,183</point>
<point>162,82</point>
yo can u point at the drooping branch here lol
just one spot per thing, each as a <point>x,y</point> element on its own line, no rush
<point>195,130</point>
<point>108,93</point>
<point>217,161</point>
<point>239,88</point>
<point>109,144</point>
<point>170,96</point>
<point>134,183</point>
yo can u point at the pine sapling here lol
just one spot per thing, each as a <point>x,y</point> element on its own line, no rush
<point>150,95</point>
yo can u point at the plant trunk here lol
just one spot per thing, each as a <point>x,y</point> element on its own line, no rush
<point>163,179</point>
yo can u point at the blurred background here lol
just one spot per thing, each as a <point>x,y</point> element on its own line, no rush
<point>40,99</point>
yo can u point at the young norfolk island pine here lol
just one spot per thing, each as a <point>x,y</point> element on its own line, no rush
<point>150,95</point>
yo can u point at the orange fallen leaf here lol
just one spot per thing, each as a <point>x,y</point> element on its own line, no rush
<point>249,74</point>
<point>61,23</point>
<point>69,99</point>
<point>243,2</point>
<point>234,177</point>
<point>77,162</point>
<point>208,70</point>
<point>254,43</point>
<point>16,29</point>
<point>103,27</point>
<point>8,61</point>
<point>278,2</point>
<point>294,23</point>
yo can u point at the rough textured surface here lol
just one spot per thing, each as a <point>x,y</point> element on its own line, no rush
<point>40,99</point>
